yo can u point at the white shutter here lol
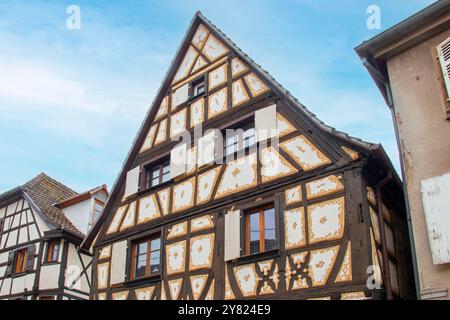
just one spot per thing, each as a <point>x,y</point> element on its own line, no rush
<point>178,160</point>
<point>132,182</point>
<point>180,95</point>
<point>436,204</point>
<point>119,262</point>
<point>266,123</point>
<point>209,148</point>
<point>444,60</point>
<point>232,235</point>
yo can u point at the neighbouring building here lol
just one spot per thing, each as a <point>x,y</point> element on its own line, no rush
<point>410,64</point>
<point>286,207</point>
<point>42,224</point>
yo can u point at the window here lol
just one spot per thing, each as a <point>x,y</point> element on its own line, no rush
<point>198,87</point>
<point>239,138</point>
<point>20,263</point>
<point>145,258</point>
<point>260,229</point>
<point>52,251</point>
<point>96,212</point>
<point>158,174</point>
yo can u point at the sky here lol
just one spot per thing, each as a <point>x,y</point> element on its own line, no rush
<point>72,100</point>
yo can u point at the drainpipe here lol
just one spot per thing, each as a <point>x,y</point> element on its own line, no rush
<point>387,275</point>
<point>373,69</point>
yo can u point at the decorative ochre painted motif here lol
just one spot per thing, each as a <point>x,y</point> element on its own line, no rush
<point>217,77</point>
<point>175,288</point>
<point>198,285</point>
<point>293,195</point>
<point>247,279</point>
<point>128,220</point>
<point>294,224</point>
<point>164,196</point>
<point>144,293</point>
<point>304,153</point>
<point>256,86</point>
<point>238,93</point>
<point>326,220</point>
<point>201,252</point>
<point>217,103</point>
<point>177,230</point>
<point>148,209</point>
<point>176,257</point>
<point>197,112</point>
<point>102,275</point>
<point>178,122</point>
<point>202,223</point>
<point>237,67</point>
<point>345,272</point>
<point>161,135</point>
<point>183,195</point>
<point>148,142</point>
<point>239,175</point>
<point>117,219</point>
<point>206,183</point>
<point>284,126</point>
<point>321,264</point>
<point>274,166</point>
<point>324,187</point>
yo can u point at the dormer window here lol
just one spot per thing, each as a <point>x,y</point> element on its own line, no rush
<point>198,87</point>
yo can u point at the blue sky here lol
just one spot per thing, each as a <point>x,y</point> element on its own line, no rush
<point>71,101</point>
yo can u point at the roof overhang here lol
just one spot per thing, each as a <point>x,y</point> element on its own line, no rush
<point>421,26</point>
<point>81,197</point>
<point>65,234</point>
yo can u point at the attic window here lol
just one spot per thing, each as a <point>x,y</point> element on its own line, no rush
<point>198,87</point>
<point>157,174</point>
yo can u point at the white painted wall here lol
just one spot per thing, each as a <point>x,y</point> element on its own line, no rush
<point>79,214</point>
<point>49,276</point>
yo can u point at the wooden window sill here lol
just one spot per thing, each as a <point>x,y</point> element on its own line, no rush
<point>259,256</point>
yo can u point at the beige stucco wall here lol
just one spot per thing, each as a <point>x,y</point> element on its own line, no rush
<point>424,135</point>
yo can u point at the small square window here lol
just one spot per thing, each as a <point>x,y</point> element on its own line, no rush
<point>158,174</point>
<point>198,87</point>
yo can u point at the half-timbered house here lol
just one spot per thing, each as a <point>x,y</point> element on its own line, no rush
<point>285,207</point>
<point>42,224</point>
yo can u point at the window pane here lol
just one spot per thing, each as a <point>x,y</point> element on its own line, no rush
<point>154,261</point>
<point>269,229</point>
<point>155,173</point>
<point>166,169</point>
<point>155,244</point>
<point>141,264</point>
<point>249,137</point>
<point>155,182</point>
<point>141,248</point>
<point>166,177</point>
<point>254,233</point>
<point>55,251</point>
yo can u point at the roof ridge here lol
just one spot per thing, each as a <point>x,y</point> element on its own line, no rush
<point>43,175</point>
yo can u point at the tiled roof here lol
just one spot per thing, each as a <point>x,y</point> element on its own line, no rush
<point>46,191</point>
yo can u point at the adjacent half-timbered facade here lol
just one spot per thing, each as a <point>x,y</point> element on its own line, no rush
<point>258,199</point>
<point>39,244</point>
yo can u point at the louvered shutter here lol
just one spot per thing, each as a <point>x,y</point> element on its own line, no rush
<point>266,123</point>
<point>10,265</point>
<point>444,60</point>
<point>132,182</point>
<point>232,235</point>
<point>31,250</point>
<point>178,161</point>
